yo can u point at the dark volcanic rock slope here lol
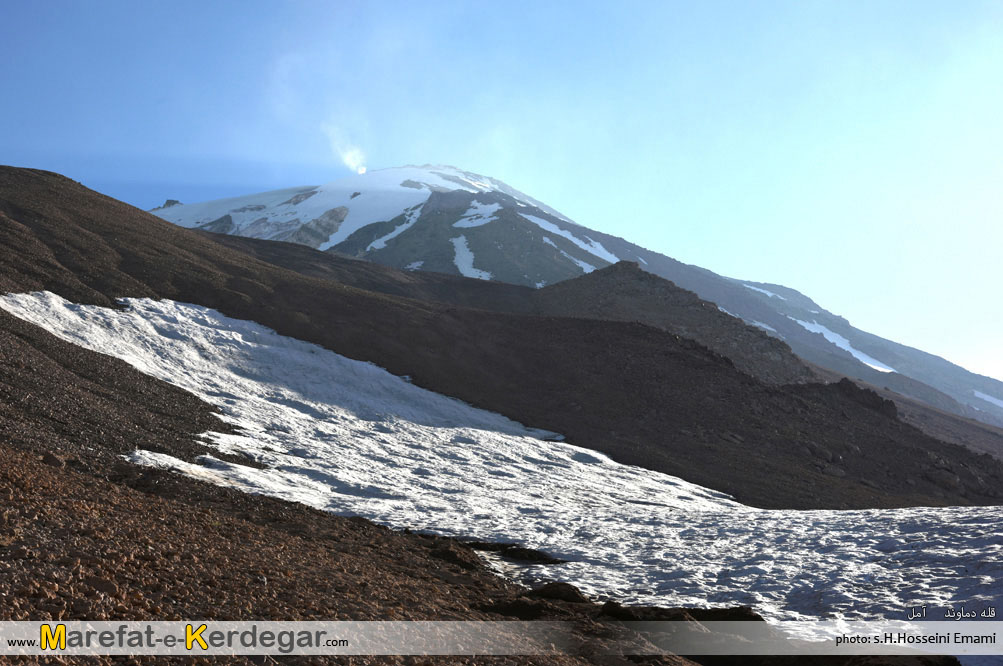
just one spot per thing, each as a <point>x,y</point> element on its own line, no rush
<point>439,218</point>
<point>621,292</point>
<point>643,395</point>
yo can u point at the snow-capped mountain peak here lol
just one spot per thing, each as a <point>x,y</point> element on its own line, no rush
<point>408,216</point>
<point>446,220</point>
<point>340,207</point>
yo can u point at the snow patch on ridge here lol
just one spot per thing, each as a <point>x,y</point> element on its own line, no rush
<point>764,291</point>
<point>592,247</point>
<point>988,398</point>
<point>584,265</point>
<point>409,220</point>
<point>478,215</point>
<point>348,437</point>
<point>843,343</point>
<point>463,259</point>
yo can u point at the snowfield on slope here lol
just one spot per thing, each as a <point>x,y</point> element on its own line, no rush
<point>348,437</point>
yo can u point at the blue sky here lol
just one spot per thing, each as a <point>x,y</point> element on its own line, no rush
<point>851,150</point>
